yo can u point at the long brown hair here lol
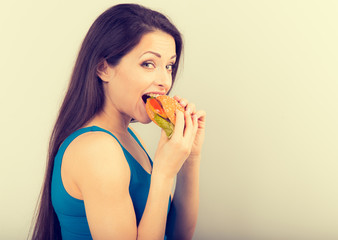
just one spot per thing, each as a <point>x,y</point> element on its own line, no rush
<point>113,34</point>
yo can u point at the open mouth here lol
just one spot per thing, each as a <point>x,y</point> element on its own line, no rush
<point>145,97</point>
<point>149,95</point>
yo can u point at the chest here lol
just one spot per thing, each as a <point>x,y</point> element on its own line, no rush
<point>137,152</point>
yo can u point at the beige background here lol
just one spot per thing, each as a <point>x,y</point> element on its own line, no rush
<point>265,72</point>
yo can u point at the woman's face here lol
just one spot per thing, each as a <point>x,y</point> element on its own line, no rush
<point>145,69</point>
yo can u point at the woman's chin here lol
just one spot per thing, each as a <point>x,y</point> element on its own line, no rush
<point>146,121</point>
<point>143,120</point>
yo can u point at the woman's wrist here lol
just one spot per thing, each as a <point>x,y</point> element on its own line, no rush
<point>190,166</point>
<point>161,178</point>
<point>194,159</point>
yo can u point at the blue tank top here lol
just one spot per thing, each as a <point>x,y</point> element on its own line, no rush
<point>71,211</point>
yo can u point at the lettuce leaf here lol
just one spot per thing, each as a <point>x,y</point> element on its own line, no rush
<point>166,125</point>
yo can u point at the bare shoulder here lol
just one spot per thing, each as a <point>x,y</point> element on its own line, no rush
<point>98,145</point>
<point>102,176</point>
<point>97,158</point>
<point>95,142</point>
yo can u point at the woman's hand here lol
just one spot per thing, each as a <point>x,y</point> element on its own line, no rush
<point>200,134</point>
<point>172,153</point>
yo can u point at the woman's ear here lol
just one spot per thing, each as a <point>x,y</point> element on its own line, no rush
<point>103,71</point>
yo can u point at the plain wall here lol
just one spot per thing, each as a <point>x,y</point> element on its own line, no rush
<point>264,71</point>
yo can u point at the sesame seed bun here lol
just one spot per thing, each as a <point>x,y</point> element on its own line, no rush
<point>170,105</point>
<point>163,112</point>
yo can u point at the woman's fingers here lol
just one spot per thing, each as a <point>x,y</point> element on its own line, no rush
<point>201,115</point>
<point>179,125</point>
<point>186,127</point>
<point>177,98</point>
<point>195,121</point>
<point>184,124</point>
<point>182,101</point>
<point>190,110</point>
<point>188,124</point>
<point>190,107</point>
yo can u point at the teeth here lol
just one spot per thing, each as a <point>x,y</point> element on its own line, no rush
<point>153,95</point>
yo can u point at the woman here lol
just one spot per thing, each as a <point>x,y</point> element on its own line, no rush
<point>100,183</point>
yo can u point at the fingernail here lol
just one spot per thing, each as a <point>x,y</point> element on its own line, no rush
<point>188,110</point>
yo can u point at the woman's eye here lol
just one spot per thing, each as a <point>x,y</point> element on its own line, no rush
<point>170,67</point>
<point>148,65</point>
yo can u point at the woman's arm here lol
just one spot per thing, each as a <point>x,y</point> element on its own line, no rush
<point>182,217</point>
<point>103,179</point>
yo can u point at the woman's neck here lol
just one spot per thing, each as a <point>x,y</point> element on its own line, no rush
<point>112,121</point>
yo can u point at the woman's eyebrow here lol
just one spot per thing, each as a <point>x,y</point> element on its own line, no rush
<point>157,54</point>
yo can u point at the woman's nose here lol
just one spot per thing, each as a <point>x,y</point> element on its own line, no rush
<point>164,79</point>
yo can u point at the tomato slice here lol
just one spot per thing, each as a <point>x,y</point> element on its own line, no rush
<point>156,107</point>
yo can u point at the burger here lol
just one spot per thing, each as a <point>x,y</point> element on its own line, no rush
<point>161,109</point>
